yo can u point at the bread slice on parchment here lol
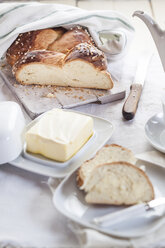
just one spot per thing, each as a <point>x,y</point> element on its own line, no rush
<point>118,183</point>
<point>108,154</point>
<point>83,66</point>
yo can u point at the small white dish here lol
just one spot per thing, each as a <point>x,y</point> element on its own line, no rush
<point>103,130</point>
<point>69,200</point>
<point>155,131</point>
<point>12,124</point>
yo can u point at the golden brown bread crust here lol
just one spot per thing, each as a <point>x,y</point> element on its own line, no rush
<point>121,147</point>
<point>70,39</point>
<point>33,40</point>
<point>88,53</point>
<point>80,176</point>
<point>38,56</point>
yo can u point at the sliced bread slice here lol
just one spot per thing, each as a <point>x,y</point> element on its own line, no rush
<point>118,183</point>
<point>108,154</point>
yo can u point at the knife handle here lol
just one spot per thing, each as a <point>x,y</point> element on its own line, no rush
<point>131,103</point>
<point>121,215</point>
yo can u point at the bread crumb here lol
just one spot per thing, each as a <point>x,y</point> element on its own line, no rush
<point>81,98</point>
<point>50,95</point>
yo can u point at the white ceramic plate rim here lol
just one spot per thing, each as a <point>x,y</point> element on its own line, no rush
<point>154,144</point>
<point>95,227</point>
<point>43,169</point>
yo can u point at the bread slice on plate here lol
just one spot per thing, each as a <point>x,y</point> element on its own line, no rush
<point>84,66</point>
<point>108,154</point>
<point>118,183</point>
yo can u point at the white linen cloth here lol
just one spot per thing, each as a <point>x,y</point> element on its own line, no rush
<point>27,215</point>
<point>111,31</point>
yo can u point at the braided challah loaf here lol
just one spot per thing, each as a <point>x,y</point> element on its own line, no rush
<point>59,57</point>
<point>83,66</point>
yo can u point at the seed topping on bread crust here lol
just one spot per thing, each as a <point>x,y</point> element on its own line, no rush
<point>49,57</point>
<point>89,53</point>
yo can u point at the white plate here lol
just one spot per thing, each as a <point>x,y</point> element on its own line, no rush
<point>69,200</point>
<point>155,131</point>
<point>103,130</point>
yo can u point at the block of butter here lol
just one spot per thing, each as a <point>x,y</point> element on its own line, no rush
<point>59,134</point>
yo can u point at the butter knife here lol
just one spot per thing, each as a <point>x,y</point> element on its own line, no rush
<point>125,214</point>
<point>131,103</point>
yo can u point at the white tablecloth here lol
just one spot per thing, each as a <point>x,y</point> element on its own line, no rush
<point>27,215</point>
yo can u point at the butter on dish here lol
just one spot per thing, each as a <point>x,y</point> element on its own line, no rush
<point>59,134</point>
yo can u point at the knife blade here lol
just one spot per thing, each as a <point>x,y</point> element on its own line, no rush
<point>131,103</point>
<point>125,214</point>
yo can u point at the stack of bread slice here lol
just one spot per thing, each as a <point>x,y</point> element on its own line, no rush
<point>112,177</point>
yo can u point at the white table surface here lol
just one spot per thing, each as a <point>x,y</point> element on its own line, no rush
<point>24,194</point>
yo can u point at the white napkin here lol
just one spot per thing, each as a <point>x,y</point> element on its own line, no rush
<point>111,31</point>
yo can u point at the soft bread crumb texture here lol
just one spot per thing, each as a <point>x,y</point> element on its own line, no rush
<point>83,66</point>
<point>59,134</point>
<point>72,74</point>
<point>119,183</point>
<point>108,154</point>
